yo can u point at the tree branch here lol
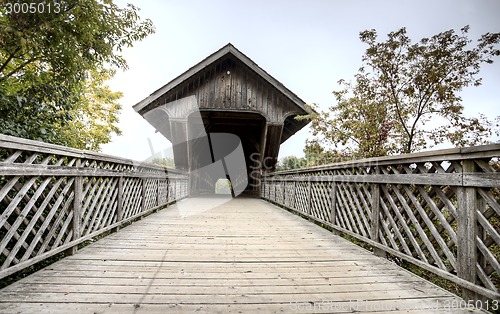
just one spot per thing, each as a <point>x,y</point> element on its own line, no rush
<point>11,56</point>
<point>18,68</point>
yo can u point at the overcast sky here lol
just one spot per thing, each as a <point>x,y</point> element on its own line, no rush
<point>308,45</point>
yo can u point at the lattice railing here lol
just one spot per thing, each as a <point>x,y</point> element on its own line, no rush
<point>52,198</point>
<point>438,210</point>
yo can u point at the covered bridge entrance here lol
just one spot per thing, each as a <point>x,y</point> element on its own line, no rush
<point>226,118</point>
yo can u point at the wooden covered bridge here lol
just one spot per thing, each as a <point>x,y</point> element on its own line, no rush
<point>142,238</point>
<point>226,118</point>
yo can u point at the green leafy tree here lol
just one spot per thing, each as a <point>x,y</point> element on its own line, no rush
<point>94,117</point>
<point>166,162</point>
<point>317,155</point>
<point>405,97</point>
<point>53,66</point>
<point>290,163</point>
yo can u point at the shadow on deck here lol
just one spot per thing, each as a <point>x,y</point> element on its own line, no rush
<point>211,254</point>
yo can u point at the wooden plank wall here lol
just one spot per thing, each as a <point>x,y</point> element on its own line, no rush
<point>230,86</point>
<point>53,198</point>
<point>438,210</point>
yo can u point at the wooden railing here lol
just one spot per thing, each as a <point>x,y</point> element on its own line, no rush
<point>438,210</point>
<point>52,198</point>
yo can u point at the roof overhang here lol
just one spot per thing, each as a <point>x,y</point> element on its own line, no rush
<point>229,49</point>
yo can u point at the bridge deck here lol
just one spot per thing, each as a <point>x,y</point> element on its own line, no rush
<point>206,255</point>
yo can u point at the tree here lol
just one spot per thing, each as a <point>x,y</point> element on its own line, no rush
<point>316,154</point>
<point>166,162</point>
<point>52,62</point>
<point>405,97</point>
<point>290,163</point>
<point>94,117</point>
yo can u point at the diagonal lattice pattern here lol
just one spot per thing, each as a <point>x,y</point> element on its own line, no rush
<point>418,207</point>
<point>353,210</point>
<point>99,203</point>
<point>36,216</point>
<point>53,197</point>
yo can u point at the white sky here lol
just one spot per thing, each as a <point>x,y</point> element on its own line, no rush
<point>308,45</point>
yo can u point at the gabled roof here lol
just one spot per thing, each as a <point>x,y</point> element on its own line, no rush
<point>228,49</point>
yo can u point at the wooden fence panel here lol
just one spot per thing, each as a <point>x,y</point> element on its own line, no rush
<point>52,198</point>
<point>438,210</point>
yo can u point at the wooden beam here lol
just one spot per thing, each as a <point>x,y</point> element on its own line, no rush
<point>77,214</point>
<point>467,232</point>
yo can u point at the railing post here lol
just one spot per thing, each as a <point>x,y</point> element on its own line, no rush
<point>467,232</point>
<point>309,198</point>
<point>157,192</point>
<point>274,184</point>
<point>375,215</point>
<point>143,196</point>
<point>119,204</point>
<point>263,188</point>
<point>284,192</point>
<point>333,202</point>
<point>77,212</point>
<point>294,203</point>
<point>167,180</point>
<point>176,189</point>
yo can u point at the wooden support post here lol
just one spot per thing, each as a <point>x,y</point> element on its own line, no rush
<point>375,215</point>
<point>333,202</point>
<point>263,188</point>
<point>284,192</point>
<point>309,197</point>
<point>467,232</point>
<point>157,192</point>
<point>119,205</point>
<point>77,213</point>
<point>333,206</point>
<point>143,196</point>
<point>167,180</point>
<point>176,189</point>
<point>275,190</point>
<point>294,203</point>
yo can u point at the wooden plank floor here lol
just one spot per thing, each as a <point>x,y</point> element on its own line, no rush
<point>215,255</point>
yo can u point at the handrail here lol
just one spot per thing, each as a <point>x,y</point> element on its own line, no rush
<point>439,210</point>
<point>52,198</point>
<point>458,153</point>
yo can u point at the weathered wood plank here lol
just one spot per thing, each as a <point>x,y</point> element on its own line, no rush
<point>412,306</point>
<point>59,171</point>
<point>467,231</point>
<point>452,154</point>
<point>209,254</point>
<point>453,179</point>
<point>21,144</point>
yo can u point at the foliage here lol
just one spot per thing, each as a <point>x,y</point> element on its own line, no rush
<point>405,97</point>
<point>53,66</point>
<point>95,116</point>
<point>223,186</point>
<point>290,163</point>
<point>164,161</point>
<point>315,155</point>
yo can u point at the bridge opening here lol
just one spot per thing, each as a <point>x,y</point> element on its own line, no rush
<point>223,186</point>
